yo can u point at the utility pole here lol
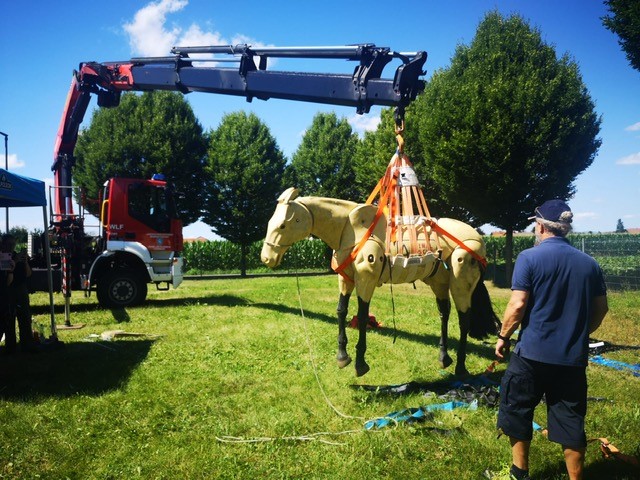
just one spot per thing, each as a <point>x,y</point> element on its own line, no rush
<point>6,167</point>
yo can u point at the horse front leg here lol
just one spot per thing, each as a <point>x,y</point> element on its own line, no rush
<point>342,356</point>
<point>444,308</point>
<point>361,347</point>
<point>464,319</point>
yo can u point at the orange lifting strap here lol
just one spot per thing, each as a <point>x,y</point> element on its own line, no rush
<point>406,208</point>
<point>408,217</point>
<point>402,200</point>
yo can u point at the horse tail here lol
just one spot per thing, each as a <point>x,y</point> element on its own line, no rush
<point>484,320</point>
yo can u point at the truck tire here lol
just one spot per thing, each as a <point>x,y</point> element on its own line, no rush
<point>121,288</point>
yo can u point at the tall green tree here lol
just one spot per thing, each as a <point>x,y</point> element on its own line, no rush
<point>508,125</point>
<point>21,234</point>
<point>323,163</point>
<point>624,21</point>
<point>244,178</point>
<point>156,132</point>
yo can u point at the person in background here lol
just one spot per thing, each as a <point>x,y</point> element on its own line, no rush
<point>558,298</point>
<point>18,296</point>
<point>6,278</point>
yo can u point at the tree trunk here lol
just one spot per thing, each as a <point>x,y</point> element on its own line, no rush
<point>508,256</point>
<point>243,260</point>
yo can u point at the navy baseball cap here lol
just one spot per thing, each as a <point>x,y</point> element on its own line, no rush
<point>552,211</point>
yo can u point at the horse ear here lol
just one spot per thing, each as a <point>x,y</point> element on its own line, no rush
<point>289,194</point>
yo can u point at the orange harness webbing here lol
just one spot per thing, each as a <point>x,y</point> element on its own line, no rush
<point>388,178</point>
<point>392,196</point>
<point>482,260</point>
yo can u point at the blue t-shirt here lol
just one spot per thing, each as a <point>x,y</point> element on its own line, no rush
<point>562,282</point>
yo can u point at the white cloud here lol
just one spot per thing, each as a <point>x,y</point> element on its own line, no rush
<point>585,215</point>
<point>195,36</point>
<point>364,123</point>
<point>14,162</point>
<point>147,33</point>
<point>150,36</point>
<point>633,159</point>
<point>633,128</point>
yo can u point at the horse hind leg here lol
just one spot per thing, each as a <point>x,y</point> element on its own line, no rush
<point>444,309</point>
<point>440,287</point>
<point>342,356</point>
<point>464,319</point>
<point>362,366</point>
<point>466,275</point>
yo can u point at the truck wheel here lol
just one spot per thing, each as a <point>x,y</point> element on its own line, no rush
<point>121,288</point>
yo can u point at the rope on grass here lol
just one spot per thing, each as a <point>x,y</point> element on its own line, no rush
<point>311,437</point>
<point>313,361</point>
<point>364,421</point>
<point>318,436</point>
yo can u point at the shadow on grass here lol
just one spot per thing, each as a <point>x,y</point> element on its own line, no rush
<point>224,300</point>
<point>483,350</point>
<point>610,469</point>
<point>68,369</point>
<point>121,315</point>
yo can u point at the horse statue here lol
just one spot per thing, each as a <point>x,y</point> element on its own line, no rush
<point>450,266</point>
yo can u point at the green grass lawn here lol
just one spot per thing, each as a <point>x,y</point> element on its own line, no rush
<point>236,359</point>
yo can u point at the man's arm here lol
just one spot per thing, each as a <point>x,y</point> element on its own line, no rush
<point>513,316</point>
<point>599,308</point>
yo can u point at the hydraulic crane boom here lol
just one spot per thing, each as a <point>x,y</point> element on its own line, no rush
<point>140,240</point>
<point>179,72</point>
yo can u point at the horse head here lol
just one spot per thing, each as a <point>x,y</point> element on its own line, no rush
<point>290,223</point>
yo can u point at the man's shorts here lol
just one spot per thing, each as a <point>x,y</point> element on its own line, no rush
<point>565,389</point>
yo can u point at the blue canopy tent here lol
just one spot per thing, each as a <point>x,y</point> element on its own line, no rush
<point>19,191</point>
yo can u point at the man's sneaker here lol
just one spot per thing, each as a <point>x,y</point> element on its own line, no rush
<point>504,474</point>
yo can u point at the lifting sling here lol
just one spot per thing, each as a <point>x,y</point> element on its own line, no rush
<point>410,226</point>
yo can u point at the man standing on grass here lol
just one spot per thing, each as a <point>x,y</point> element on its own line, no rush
<point>558,298</point>
<point>18,298</point>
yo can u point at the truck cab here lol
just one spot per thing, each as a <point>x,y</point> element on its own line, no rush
<point>140,242</point>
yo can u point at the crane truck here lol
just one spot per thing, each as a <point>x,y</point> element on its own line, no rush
<point>140,237</point>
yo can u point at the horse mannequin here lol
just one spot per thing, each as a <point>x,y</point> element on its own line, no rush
<point>341,224</point>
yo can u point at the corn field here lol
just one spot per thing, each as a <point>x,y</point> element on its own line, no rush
<point>222,257</point>
<point>617,253</point>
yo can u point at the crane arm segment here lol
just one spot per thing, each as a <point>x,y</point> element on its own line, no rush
<point>250,79</point>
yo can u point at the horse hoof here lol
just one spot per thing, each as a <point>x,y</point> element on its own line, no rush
<point>445,361</point>
<point>361,369</point>
<point>343,362</point>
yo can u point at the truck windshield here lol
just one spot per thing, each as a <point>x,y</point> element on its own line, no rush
<point>151,205</point>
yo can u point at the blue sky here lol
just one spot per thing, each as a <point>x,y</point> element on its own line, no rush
<point>41,42</point>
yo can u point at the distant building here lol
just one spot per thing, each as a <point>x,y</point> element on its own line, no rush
<point>196,239</point>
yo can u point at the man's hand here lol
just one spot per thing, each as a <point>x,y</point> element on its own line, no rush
<point>502,348</point>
